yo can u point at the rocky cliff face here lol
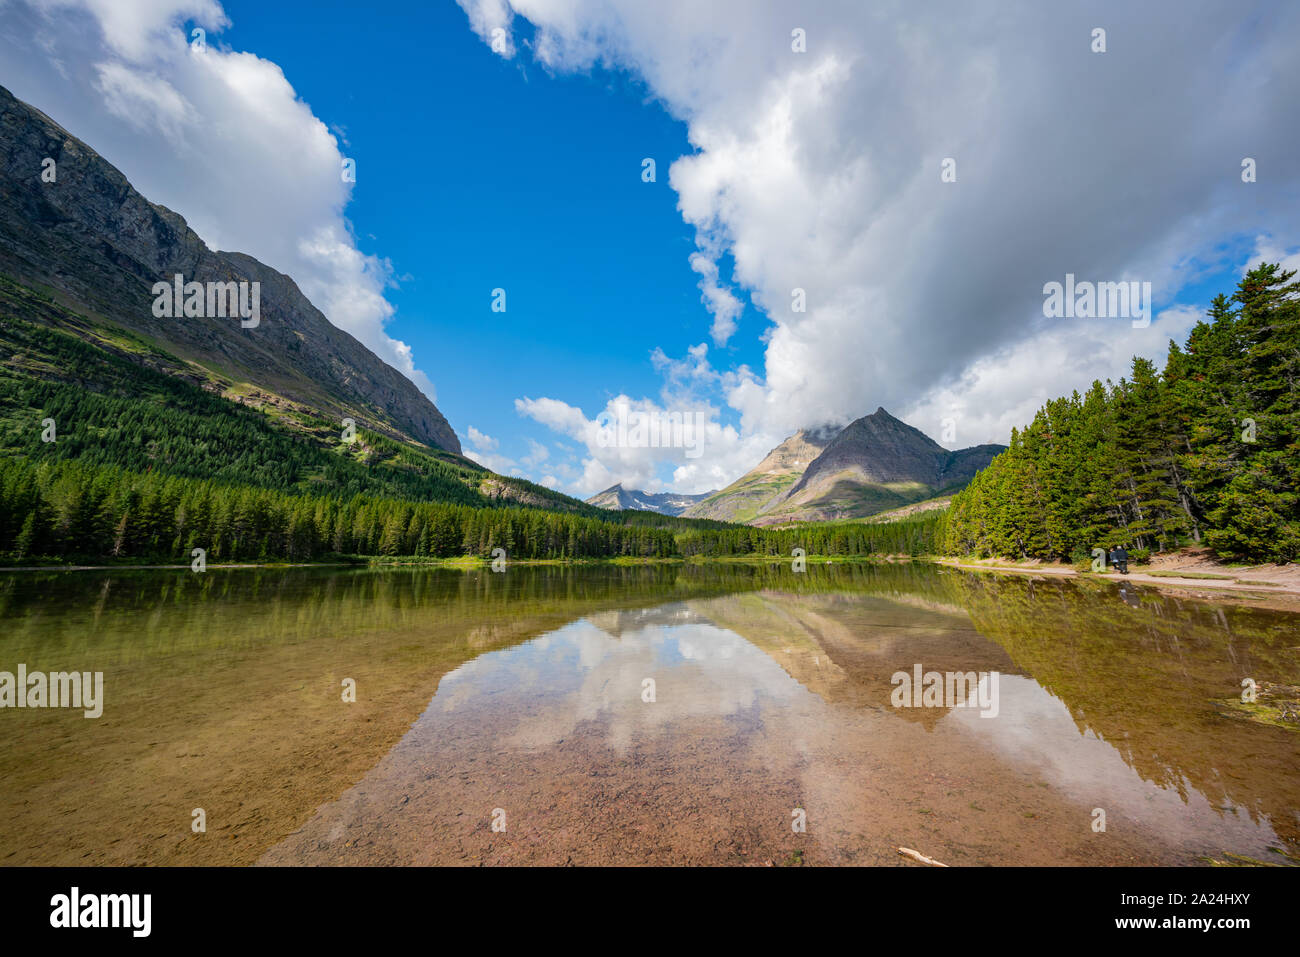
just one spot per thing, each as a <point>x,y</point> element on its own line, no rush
<point>797,452</point>
<point>882,449</point>
<point>99,246</point>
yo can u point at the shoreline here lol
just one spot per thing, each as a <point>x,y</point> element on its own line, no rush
<point>1281,593</point>
<point>1225,584</point>
<point>474,563</point>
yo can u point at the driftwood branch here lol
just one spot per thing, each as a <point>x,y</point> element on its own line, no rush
<point>918,856</point>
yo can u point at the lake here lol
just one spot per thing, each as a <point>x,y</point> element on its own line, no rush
<point>666,714</point>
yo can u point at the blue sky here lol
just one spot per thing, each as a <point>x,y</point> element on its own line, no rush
<point>512,175</point>
<point>475,173</point>
<point>781,166</point>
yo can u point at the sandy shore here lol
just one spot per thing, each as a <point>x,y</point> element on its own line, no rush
<point>1274,586</point>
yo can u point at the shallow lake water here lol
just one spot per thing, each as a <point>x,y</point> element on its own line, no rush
<point>717,714</point>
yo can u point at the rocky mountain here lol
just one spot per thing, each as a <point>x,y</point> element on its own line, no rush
<point>74,229</point>
<point>874,464</point>
<point>617,498</point>
<point>747,497</point>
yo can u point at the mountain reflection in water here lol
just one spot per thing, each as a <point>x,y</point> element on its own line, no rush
<point>639,715</point>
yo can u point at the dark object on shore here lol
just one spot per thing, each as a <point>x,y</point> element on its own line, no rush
<point>1119,558</point>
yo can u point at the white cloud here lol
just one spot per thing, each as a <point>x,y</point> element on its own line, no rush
<point>136,29</point>
<point>557,416</point>
<point>145,100</point>
<point>821,171</point>
<point>217,135</point>
<point>480,440</point>
<point>537,454</point>
<point>1268,250</point>
<point>482,448</point>
<point>698,462</point>
<point>488,16</point>
<point>1067,354</point>
<point>718,299</point>
<point>501,464</point>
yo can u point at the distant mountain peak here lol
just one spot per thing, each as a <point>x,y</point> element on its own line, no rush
<point>874,463</point>
<point>618,498</point>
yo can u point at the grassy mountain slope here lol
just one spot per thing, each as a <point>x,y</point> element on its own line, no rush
<point>117,398</point>
<point>873,465</point>
<point>745,499</point>
<point>93,244</point>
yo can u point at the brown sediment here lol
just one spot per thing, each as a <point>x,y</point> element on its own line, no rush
<point>224,693</point>
<point>524,692</point>
<point>601,783</point>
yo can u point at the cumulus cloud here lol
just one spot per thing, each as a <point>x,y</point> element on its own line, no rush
<point>490,19</point>
<point>145,100</point>
<point>218,135</point>
<point>482,448</point>
<point>1067,356</point>
<point>1268,250</point>
<point>135,29</point>
<point>702,453</point>
<point>481,441</point>
<point>717,298</point>
<point>821,171</point>
<point>537,454</point>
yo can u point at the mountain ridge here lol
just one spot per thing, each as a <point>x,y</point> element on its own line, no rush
<point>747,496</point>
<point>618,498</point>
<point>875,463</point>
<point>92,241</point>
